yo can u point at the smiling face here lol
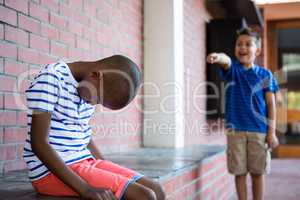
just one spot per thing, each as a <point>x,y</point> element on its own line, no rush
<point>246,49</point>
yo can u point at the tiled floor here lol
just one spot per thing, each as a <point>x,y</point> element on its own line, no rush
<point>284,181</point>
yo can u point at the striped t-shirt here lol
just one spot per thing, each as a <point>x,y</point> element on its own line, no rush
<point>245,105</point>
<point>54,90</point>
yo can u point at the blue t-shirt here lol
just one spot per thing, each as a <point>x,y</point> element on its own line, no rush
<point>245,106</point>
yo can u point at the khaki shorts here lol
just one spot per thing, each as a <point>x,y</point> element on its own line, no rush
<point>247,152</point>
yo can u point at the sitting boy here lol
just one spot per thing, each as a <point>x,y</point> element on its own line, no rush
<point>61,156</point>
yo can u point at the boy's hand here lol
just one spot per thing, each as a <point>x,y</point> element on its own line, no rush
<point>272,140</point>
<point>98,194</point>
<point>213,58</point>
<point>219,58</point>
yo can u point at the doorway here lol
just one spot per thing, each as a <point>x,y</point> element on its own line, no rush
<point>284,57</point>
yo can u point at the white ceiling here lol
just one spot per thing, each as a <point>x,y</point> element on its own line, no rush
<point>274,1</point>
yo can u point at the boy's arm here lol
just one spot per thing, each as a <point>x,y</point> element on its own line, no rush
<point>41,147</point>
<point>219,58</point>
<point>271,137</point>
<point>94,150</point>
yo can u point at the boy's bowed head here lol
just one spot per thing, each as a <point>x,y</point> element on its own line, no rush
<point>112,81</point>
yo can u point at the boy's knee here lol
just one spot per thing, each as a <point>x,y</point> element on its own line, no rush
<point>241,176</point>
<point>147,194</point>
<point>158,189</point>
<point>154,186</point>
<point>256,176</point>
<point>137,192</point>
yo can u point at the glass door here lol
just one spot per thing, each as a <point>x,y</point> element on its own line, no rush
<point>289,61</point>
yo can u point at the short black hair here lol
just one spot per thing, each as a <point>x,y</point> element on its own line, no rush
<point>125,65</point>
<point>250,32</point>
<point>121,80</point>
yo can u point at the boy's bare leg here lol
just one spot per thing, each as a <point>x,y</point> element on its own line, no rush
<point>156,187</point>
<point>241,186</point>
<point>257,186</point>
<point>136,191</point>
<point>144,189</point>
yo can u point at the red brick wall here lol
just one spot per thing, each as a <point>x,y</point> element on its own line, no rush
<point>197,129</point>
<point>208,180</point>
<point>36,32</point>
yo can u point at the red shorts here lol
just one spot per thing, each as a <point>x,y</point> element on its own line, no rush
<point>97,173</point>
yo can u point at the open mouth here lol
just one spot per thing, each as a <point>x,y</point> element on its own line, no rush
<point>243,54</point>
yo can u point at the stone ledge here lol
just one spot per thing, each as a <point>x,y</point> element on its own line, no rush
<point>159,164</point>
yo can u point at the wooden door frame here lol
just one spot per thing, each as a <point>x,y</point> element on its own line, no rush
<point>271,40</point>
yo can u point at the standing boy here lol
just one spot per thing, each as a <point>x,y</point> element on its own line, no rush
<point>61,156</point>
<point>249,112</point>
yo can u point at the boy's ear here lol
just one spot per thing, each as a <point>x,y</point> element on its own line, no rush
<point>258,51</point>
